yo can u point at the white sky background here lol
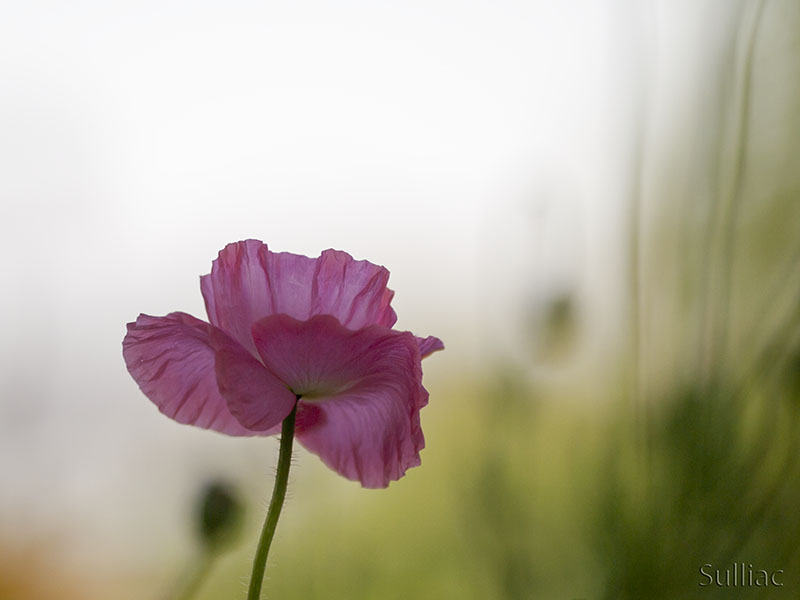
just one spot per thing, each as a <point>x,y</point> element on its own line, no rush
<point>475,149</point>
<point>139,141</point>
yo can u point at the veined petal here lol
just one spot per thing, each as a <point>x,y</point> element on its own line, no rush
<point>172,360</point>
<point>353,291</point>
<point>248,282</point>
<point>429,345</point>
<point>370,435</point>
<point>255,397</point>
<point>362,393</point>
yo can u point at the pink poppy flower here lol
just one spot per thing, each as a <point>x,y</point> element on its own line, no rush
<point>288,329</point>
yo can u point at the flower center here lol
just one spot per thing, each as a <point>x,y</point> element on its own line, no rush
<point>319,392</point>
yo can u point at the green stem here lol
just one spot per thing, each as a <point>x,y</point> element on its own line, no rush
<point>275,506</point>
<point>728,234</point>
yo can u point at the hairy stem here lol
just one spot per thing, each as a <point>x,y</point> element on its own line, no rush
<point>275,506</point>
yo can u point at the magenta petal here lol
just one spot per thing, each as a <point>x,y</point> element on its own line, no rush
<point>248,282</point>
<point>362,393</point>
<point>429,345</point>
<point>257,399</point>
<point>173,362</point>
<point>353,291</point>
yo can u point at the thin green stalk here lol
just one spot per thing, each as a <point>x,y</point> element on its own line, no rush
<point>741,144</point>
<point>718,268</point>
<point>275,506</point>
<point>637,332</point>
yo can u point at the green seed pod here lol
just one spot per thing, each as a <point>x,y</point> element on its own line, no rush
<point>219,515</point>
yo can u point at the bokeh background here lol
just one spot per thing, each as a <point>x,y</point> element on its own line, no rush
<point>595,204</point>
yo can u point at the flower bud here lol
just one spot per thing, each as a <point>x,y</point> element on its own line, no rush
<point>219,514</point>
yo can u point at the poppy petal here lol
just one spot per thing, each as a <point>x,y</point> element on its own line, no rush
<point>173,362</point>
<point>248,282</point>
<point>255,397</point>
<point>361,393</point>
<point>353,291</point>
<point>429,345</point>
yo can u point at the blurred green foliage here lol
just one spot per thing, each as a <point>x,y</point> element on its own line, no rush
<point>522,499</point>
